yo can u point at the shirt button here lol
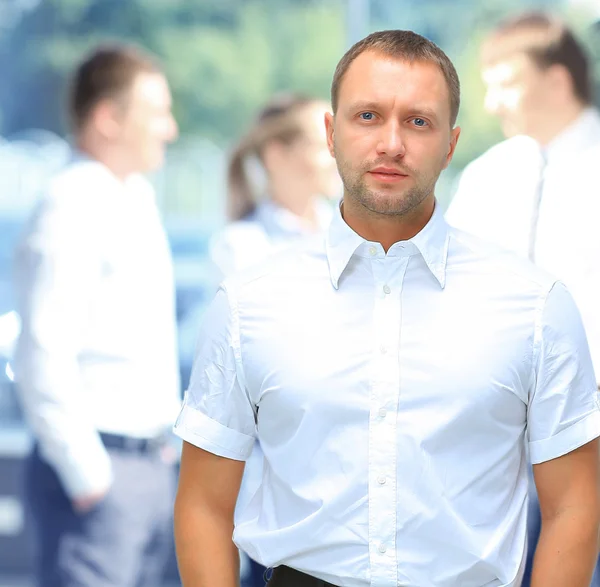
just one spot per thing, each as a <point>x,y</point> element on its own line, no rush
<point>382,548</point>
<point>372,251</point>
<point>386,289</point>
<point>381,480</point>
<point>382,412</point>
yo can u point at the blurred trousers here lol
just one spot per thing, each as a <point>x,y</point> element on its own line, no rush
<point>123,541</point>
<point>255,576</point>
<point>534,524</point>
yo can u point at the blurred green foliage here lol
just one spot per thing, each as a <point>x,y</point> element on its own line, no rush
<point>225,58</point>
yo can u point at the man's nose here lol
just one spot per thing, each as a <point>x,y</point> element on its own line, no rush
<point>172,129</point>
<point>391,141</point>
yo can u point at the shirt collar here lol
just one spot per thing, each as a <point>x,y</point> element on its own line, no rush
<point>431,243</point>
<point>580,134</point>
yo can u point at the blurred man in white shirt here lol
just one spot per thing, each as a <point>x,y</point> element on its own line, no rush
<point>96,362</point>
<point>394,373</point>
<point>538,192</point>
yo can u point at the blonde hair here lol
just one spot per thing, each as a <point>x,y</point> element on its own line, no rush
<point>277,121</point>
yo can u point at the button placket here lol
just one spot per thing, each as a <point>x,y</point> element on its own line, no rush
<point>388,274</point>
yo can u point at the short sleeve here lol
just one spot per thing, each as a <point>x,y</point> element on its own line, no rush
<point>564,409</point>
<point>217,414</point>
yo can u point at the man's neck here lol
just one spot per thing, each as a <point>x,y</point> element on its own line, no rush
<point>110,158</point>
<point>387,229</point>
<point>558,123</point>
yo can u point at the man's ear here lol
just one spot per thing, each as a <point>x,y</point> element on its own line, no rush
<point>330,131</point>
<point>560,79</point>
<point>105,117</point>
<point>455,133</point>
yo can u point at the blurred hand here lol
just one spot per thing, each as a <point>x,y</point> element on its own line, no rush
<point>85,503</point>
<point>169,454</point>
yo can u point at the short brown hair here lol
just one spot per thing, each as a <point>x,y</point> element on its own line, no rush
<point>546,41</point>
<point>405,45</point>
<point>107,72</point>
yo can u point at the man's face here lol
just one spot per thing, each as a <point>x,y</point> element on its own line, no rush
<point>147,123</point>
<point>391,134</point>
<point>518,93</point>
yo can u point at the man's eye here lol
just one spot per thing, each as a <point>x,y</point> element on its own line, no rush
<point>420,122</point>
<point>367,115</point>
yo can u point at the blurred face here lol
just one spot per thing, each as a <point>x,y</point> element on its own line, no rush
<point>518,93</point>
<point>391,135</point>
<point>146,123</point>
<point>306,161</point>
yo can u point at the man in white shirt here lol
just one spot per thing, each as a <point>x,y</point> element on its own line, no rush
<point>394,372</point>
<point>538,192</point>
<point>96,361</point>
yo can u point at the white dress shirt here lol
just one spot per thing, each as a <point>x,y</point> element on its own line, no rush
<point>97,351</point>
<point>495,200</point>
<point>268,229</point>
<point>393,396</point>
<point>244,243</point>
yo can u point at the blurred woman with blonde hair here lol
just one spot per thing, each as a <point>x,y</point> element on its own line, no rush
<point>281,180</point>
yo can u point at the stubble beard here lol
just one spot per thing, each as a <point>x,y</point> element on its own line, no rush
<point>384,202</point>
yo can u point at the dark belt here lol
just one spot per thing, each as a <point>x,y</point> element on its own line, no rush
<point>287,577</point>
<point>131,444</point>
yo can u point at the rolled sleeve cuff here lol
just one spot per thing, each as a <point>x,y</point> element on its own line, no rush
<point>566,440</point>
<point>201,431</point>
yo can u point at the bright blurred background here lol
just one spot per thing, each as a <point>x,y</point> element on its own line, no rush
<point>224,59</point>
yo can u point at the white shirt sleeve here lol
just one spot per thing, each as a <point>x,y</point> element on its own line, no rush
<point>57,273</point>
<point>218,415</point>
<point>564,408</point>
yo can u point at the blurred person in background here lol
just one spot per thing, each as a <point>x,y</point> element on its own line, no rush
<point>281,180</point>
<point>394,372</point>
<point>538,192</point>
<point>96,362</point>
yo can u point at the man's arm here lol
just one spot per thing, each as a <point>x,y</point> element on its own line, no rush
<point>57,272</point>
<point>204,508</point>
<point>569,494</point>
<point>218,425</point>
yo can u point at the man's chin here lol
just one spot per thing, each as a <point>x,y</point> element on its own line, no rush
<point>386,205</point>
<point>153,164</point>
<point>510,130</point>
